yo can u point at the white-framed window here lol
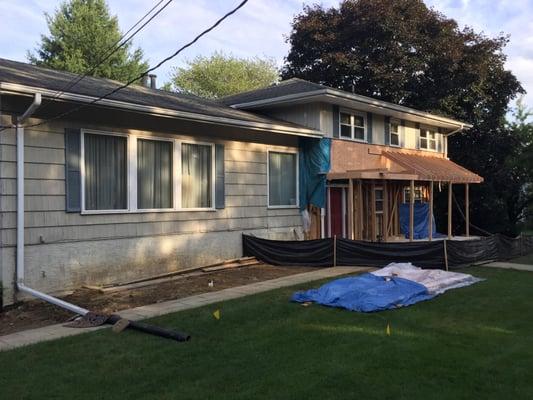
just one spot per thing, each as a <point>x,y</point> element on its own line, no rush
<point>420,196</point>
<point>352,125</point>
<point>428,139</point>
<point>128,173</point>
<point>378,209</point>
<point>282,171</point>
<point>394,133</point>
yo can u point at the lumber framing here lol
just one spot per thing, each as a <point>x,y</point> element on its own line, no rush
<point>450,194</point>
<point>467,210</point>
<point>430,216</point>
<point>411,211</point>
<point>350,210</point>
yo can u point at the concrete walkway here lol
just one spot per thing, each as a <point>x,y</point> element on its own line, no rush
<point>508,265</point>
<point>52,332</point>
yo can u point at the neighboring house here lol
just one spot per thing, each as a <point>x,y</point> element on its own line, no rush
<point>380,153</point>
<point>146,181</point>
<point>142,183</point>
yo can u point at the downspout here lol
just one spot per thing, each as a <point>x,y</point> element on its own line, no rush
<point>20,215</point>
<point>446,139</point>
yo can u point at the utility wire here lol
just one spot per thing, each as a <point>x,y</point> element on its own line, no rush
<point>170,57</point>
<point>123,40</point>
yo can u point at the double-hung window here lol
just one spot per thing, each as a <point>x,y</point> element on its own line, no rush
<point>282,179</point>
<point>352,126</point>
<point>428,139</point>
<point>106,172</point>
<point>196,175</point>
<point>394,132</point>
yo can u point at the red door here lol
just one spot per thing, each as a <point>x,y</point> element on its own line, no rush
<point>336,212</point>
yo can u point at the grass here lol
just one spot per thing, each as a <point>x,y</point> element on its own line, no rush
<point>474,342</point>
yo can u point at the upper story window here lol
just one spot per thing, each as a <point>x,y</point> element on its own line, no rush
<point>394,133</point>
<point>352,126</point>
<point>282,179</point>
<point>428,139</point>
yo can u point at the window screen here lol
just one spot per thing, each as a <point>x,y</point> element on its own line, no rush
<point>154,174</point>
<point>282,179</point>
<point>196,176</point>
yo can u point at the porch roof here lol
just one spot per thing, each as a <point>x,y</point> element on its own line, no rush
<point>433,168</point>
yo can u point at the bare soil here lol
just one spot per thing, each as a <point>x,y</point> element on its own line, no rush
<point>36,313</point>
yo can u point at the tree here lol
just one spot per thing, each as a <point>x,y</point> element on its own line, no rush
<point>81,33</point>
<point>404,52</point>
<point>222,75</point>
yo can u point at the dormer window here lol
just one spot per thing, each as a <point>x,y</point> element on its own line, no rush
<point>352,126</point>
<point>428,139</point>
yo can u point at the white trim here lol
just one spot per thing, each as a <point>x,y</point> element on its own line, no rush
<point>165,112</point>
<point>297,205</point>
<point>429,129</point>
<point>82,170</point>
<point>353,113</point>
<point>131,172</point>
<point>397,122</point>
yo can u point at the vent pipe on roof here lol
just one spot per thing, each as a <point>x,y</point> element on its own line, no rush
<point>145,81</point>
<point>153,78</point>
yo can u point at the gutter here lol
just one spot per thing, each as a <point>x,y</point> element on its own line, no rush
<point>161,112</point>
<point>445,136</point>
<point>18,121</point>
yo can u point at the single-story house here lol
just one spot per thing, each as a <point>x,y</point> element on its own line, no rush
<point>145,181</point>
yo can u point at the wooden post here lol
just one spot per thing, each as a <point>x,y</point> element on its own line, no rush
<point>385,211</point>
<point>467,209</point>
<point>450,191</point>
<point>360,209</point>
<point>334,250</point>
<point>373,211</point>
<point>412,211</point>
<point>350,210</point>
<point>445,255</point>
<point>430,233</point>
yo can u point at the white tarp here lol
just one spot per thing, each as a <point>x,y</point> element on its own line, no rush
<point>435,280</point>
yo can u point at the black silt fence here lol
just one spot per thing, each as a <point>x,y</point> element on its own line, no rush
<point>341,252</point>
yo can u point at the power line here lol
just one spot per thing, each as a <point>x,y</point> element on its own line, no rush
<point>123,40</point>
<point>173,55</point>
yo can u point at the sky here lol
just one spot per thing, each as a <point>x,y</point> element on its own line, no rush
<point>259,29</point>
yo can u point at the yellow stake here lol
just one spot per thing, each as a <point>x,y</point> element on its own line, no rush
<point>216,314</point>
<point>388,329</point>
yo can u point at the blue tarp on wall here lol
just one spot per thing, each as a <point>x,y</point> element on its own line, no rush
<point>314,164</point>
<point>366,293</point>
<point>421,223</point>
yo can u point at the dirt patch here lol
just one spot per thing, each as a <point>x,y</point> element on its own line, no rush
<point>35,313</point>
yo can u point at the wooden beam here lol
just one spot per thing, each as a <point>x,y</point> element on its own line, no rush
<point>373,211</point>
<point>450,192</point>
<point>430,216</point>
<point>385,211</point>
<point>412,211</point>
<point>360,209</point>
<point>350,210</point>
<point>467,209</point>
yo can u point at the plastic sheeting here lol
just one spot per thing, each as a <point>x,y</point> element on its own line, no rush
<point>396,285</point>
<point>366,293</point>
<point>436,281</point>
<point>314,164</point>
<point>421,223</point>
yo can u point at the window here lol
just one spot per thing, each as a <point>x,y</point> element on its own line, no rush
<point>196,175</point>
<point>154,174</point>
<point>428,139</point>
<point>378,208</point>
<point>394,132</point>
<point>105,166</point>
<point>352,126</point>
<point>282,179</point>
<point>419,194</point>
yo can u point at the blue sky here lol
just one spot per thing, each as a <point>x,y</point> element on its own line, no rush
<point>259,28</point>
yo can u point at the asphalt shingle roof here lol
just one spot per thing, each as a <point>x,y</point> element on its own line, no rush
<point>31,75</point>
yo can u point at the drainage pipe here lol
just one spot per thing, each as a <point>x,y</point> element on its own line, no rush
<point>20,215</point>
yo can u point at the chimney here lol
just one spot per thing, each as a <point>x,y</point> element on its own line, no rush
<point>153,78</point>
<point>145,81</point>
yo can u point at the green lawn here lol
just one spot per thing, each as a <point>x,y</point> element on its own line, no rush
<point>471,343</point>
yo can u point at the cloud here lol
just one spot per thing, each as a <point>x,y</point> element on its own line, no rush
<point>259,28</point>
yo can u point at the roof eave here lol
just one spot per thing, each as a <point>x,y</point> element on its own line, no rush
<point>339,94</point>
<point>159,111</point>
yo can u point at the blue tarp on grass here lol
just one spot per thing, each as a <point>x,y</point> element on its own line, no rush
<point>366,293</point>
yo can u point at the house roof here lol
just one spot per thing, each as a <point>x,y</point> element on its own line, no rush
<point>18,77</point>
<point>295,90</point>
<point>433,168</point>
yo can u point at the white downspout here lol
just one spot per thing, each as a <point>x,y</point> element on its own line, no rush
<point>20,215</point>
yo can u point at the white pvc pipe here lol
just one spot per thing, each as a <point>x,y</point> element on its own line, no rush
<point>20,217</point>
